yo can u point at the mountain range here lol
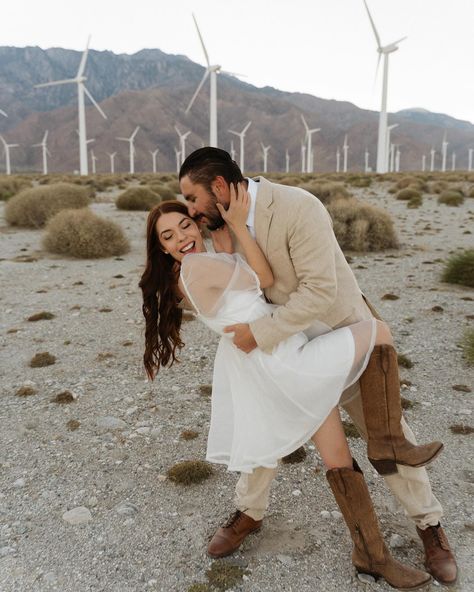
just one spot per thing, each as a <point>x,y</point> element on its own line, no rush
<point>152,89</point>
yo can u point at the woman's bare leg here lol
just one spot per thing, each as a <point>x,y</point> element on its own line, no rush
<point>331,443</point>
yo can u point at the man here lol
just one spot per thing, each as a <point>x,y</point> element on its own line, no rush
<point>312,281</point>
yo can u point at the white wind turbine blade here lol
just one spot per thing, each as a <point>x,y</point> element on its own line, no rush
<point>377,70</point>
<point>377,37</point>
<point>45,137</point>
<point>132,137</point>
<point>305,124</point>
<point>3,141</point>
<point>56,82</point>
<point>399,40</point>
<point>82,64</point>
<point>200,85</point>
<point>202,42</point>
<point>186,135</point>
<point>235,133</point>
<point>123,139</point>
<point>233,74</point>
<point>95,103</point>
<point>3,113</point>
<point>48,152</point>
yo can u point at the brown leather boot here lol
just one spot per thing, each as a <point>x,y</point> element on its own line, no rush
<point>229,537</point>
<point>370,554</point>
<point>380,391</point>
<point>439,559</point>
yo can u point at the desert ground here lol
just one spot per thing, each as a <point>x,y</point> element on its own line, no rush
<point>108,450</point>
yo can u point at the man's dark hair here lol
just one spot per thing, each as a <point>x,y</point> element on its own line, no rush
<point>205,164</point>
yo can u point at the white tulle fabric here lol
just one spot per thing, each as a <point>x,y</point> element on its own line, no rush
<point>266,406</point>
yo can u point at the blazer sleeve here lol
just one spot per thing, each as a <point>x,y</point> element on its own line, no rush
<point>311,244</point>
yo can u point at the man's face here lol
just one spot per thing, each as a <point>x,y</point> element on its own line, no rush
<point>202,204</point>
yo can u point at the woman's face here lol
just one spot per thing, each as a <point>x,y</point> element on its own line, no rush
<point>179,235</point>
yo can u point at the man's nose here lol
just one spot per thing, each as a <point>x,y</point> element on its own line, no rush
<point>191,209</point>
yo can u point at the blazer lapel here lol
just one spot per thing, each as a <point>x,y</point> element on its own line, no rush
<point>263,212</point>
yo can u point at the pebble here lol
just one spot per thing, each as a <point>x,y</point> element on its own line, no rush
<point>111,423</point>
<point>337,515</point>
<point>285,559</point>
<point>325,514</point>
<point>144,430</point>
<point>77,515</point>
<point>126,508</point>
<point>4,551</point>
<point>365,578</point>
<point>465,412</point>
<point>19,482</point>
<point>396,541</point>
<point>296,492</point>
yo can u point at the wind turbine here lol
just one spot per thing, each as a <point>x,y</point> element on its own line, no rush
<point>182,142</point>
<point>94,160</point>
<point>397,159</point>
<point>178,159</point>
<point>130,141</point>
<point>345,148</point>
<point>212,71</point>
<point>81,90</point>
<point>432,155</point>
<point>382,160</point>
<point>453,161</point>
<point>265,150</point>
<point>303,158</point>
<point>366,169</point>
<point>232,150</point>
<point>3,113</point>
<point>444,152</point>
<point>45,151</point>
<point>7,147</point>
<point>391,152</point>
<point>338,160</point>
<point>308,138</point>
<point>153,157</point>
<point>469,166</point>
<point>112,161</point>
<point>287,161</point>
<point>242,141</point>
<point>387,139</point>
<point>423,163</point>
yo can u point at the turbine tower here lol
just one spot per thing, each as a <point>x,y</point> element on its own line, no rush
<point>94,160</point>
<point>423,163</point>
<point>432,155</point>
<point>287,161</point>
<point>453,161</point>
<point>153,158</point>
<point>81,90</point>
<point>241,135</point>
<point>308,138</point>
<point>366,168</point>
<point>397,159</point>
<point>45,151</point>
<point>338,160</point>
<point>232,150</point>
<point>112,161</point>
<point>131,140</point>
<point>444,153</point>
<point>212,71</point>
<point>382,156</point>
<point>303,158</point>
<point>7,147</point>
<point>182,143</point>
<point>265,150</point>
<point>387,147</point>
<point>469,166</point>
<point>345,148</point>
<point>178,159</point>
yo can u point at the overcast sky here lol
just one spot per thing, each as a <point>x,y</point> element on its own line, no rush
<point>322,47</point>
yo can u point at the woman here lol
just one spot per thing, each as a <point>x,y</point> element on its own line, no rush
<point>263,406</point>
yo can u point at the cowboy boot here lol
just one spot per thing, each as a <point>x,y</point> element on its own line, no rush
<point>370,555</point>
<point>380,391</point>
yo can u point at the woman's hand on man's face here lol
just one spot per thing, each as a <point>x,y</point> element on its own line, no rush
<point>237,213</point>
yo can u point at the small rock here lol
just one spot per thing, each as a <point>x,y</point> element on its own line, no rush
<point>110,423</point>
<point>19,482</point>
<point>126,508</point>
<point>465,412</point>
<point>285,559</point>
<point>92,501</point>
<point>78,515</point>
<point>296,492</point>
<point>462,388</point>
<point>336,515</point>
<point>325,514</point>
<point>366,578</point>
<point>4,551</point>
<point>144,430</point>
<point>131,410</point>
<point>396,541</point>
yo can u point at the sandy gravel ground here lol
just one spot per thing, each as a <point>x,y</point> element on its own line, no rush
<point>142,532</point>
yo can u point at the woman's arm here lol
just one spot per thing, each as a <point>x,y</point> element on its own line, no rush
<point>236,217</point>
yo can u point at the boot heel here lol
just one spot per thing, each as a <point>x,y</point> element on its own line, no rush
<point>384,467</point>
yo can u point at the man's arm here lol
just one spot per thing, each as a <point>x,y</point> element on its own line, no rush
<point>312,250</point>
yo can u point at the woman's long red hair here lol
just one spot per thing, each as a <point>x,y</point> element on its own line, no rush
<point>159,285</point>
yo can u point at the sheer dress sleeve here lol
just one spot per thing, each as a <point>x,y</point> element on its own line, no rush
<point>207,278</point>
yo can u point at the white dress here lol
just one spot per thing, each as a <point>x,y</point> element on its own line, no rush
<point>265,406</point>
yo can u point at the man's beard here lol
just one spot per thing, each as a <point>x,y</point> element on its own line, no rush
<point>215,220</point>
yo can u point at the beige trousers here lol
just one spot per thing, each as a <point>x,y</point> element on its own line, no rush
<point>410,486</point>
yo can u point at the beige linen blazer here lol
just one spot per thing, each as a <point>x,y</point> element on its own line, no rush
<point>312,279</point>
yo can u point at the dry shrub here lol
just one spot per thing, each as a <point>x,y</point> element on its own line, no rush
<point>173,185</point>
<point>83,234</point>
<point>408,193</point>
<point>137,198</point>
<point>162,190</point>
<point>42,359</point>
<point>459,269</point>
<point>467,345</point>
<point>327,192</point>
<point>32,208</point>
<point>10,187</point>
<point>26,391</point>
<point>189,472</point>
<point>41,316</point>
<point>223,575</point>
<point>291,181</point>
<point>414,202</point>
<point>413,182</point>
<point>470,192</point>
<point>404,361</point>
<point>359,181</point>
<point>451,197</point>
<point>360,226</point>
<point>437,186</point>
